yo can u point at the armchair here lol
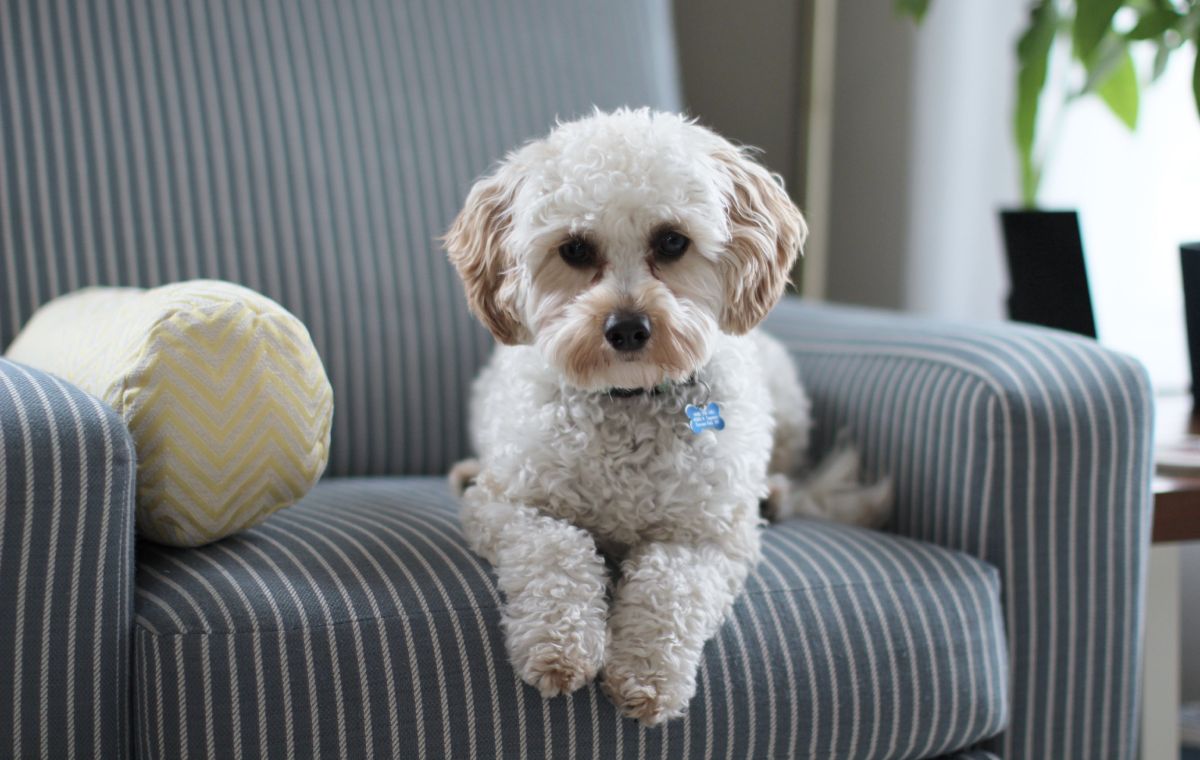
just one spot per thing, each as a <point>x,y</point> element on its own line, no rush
<point>312,151</point>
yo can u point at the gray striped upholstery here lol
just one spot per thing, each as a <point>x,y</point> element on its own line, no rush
<point>310,150</point>
<point>1031,450</point>
<point>66,570</point>
<point>359,624</point>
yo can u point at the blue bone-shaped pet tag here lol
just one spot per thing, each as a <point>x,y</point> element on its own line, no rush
<point>704,418</point>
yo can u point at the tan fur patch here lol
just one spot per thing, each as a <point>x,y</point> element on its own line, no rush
<point>475,243</point>
<point>675,346</point>
<point>767,232</point>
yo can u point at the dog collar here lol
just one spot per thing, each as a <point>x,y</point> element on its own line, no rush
<point>657,390</point>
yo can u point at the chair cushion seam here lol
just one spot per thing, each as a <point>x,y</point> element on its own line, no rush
<point>832,587</point>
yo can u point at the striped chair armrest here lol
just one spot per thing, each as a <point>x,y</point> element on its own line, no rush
<point>66,570</point>
<point>1030,449</point>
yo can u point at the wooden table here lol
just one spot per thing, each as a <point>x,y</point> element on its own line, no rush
<point>1176,500</point>
<point>1176,519</point>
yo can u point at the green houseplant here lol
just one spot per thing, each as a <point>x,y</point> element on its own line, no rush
<point>1100,48</point>
<point>1044,248</point>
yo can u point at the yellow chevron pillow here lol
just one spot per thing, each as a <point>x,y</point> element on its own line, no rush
<point>221,388</point>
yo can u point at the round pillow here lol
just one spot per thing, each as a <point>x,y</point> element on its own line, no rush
<point>221,388</point>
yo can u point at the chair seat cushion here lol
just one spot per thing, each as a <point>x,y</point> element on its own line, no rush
<point>359,624</point>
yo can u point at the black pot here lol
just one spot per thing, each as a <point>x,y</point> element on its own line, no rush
<point>1046,268</point>
<point>1189,259</point>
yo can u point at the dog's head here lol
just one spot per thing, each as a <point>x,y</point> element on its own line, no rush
<point>622,243</point>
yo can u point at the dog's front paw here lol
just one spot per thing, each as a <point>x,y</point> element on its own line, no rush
<point>555,647</point>
<point>462,476</point>
<point>649,697</point>
<point>553,669</point>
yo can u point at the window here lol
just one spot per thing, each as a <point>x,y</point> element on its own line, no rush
<point>1138,195</point>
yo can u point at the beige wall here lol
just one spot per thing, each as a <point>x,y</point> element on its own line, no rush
<point>747,70</point>
<point>868,224</point>
<point>741,74</point>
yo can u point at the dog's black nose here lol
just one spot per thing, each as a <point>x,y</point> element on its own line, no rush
<point>627,332</point>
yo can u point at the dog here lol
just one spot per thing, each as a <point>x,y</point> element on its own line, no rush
<point>632,411</point>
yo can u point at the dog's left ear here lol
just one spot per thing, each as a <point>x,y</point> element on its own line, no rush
<point>766,233</point>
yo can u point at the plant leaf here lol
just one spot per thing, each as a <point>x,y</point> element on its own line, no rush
<point>1104,61</point>
<point>1120,91</point>
<point>1153,23</point>
<point>1196,75</point>
<point>1093,20</point>
<point>1033,56</point>
<point>914,8</point>
<point>1162,54</point>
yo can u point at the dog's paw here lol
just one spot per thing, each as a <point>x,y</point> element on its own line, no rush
<point>553,669</point>
<point>462,476</point>
<point>779,490</point>
<point>834,491</point>
<point>864,506</point>
<point>880,499</point>
<point>649,698</point>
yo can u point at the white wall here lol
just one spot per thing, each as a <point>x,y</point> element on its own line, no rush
<point>962,161</point>
<point>1139,198</point>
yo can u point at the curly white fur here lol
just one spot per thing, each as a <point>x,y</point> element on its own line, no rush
<point>569,472</point>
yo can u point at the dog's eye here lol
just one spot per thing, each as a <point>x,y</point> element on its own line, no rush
<point>578,252</point>
<point>671,244</point>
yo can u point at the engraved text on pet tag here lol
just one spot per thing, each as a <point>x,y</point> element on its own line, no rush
<point>708,417</point>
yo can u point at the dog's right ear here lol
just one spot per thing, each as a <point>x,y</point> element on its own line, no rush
<point>478,248</point>
<point>766,232</point>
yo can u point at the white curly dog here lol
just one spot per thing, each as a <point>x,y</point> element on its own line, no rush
<point>633,412</point>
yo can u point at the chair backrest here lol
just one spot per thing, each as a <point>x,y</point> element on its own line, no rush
<point>310,150</point>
